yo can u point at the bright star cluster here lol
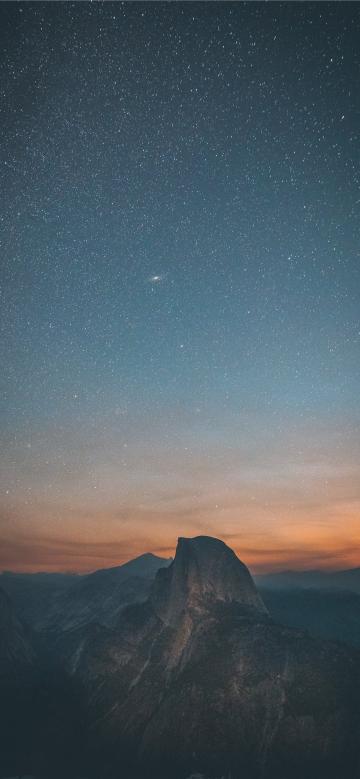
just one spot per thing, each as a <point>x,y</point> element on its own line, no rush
<point>180,281</point>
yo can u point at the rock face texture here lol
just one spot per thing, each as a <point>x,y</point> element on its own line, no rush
<point>204,571</point>
<point>199,679</point>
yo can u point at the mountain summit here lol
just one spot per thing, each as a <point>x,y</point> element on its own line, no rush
<point>198,679</point>
<point>203,572</point>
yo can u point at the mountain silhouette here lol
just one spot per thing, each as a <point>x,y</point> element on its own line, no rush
<point>348,580</point>
<point>198,678</point>
<point>64,601</point>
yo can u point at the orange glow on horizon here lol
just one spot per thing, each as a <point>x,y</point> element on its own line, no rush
<point>263,545</point>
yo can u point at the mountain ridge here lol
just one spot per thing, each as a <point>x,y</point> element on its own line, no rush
<point>58,602</point>
<point>194,678</point>
<point>344,579</point>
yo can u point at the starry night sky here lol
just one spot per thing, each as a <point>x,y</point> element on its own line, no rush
<point>180,281</point>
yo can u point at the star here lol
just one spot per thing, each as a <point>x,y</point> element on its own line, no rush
<point>156,278</point>
<point>202,280</point>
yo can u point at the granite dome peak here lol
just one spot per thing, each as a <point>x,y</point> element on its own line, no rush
<point>204,570</point>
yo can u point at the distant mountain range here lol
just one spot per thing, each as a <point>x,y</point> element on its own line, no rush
<point>324,580</point>
<point>330,614</point>
<point>325,603</point>
<point>63,601</point>
<point>178,668</point>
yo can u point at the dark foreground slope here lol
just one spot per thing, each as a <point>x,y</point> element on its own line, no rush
<point>41,720</point>
<point>17,687</point>
<point>199,679</point>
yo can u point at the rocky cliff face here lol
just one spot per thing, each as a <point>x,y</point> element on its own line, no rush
<point>199,679</point>
<point>203,572</point>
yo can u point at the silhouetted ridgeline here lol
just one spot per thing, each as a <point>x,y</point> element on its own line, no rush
<point>174,668</point>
